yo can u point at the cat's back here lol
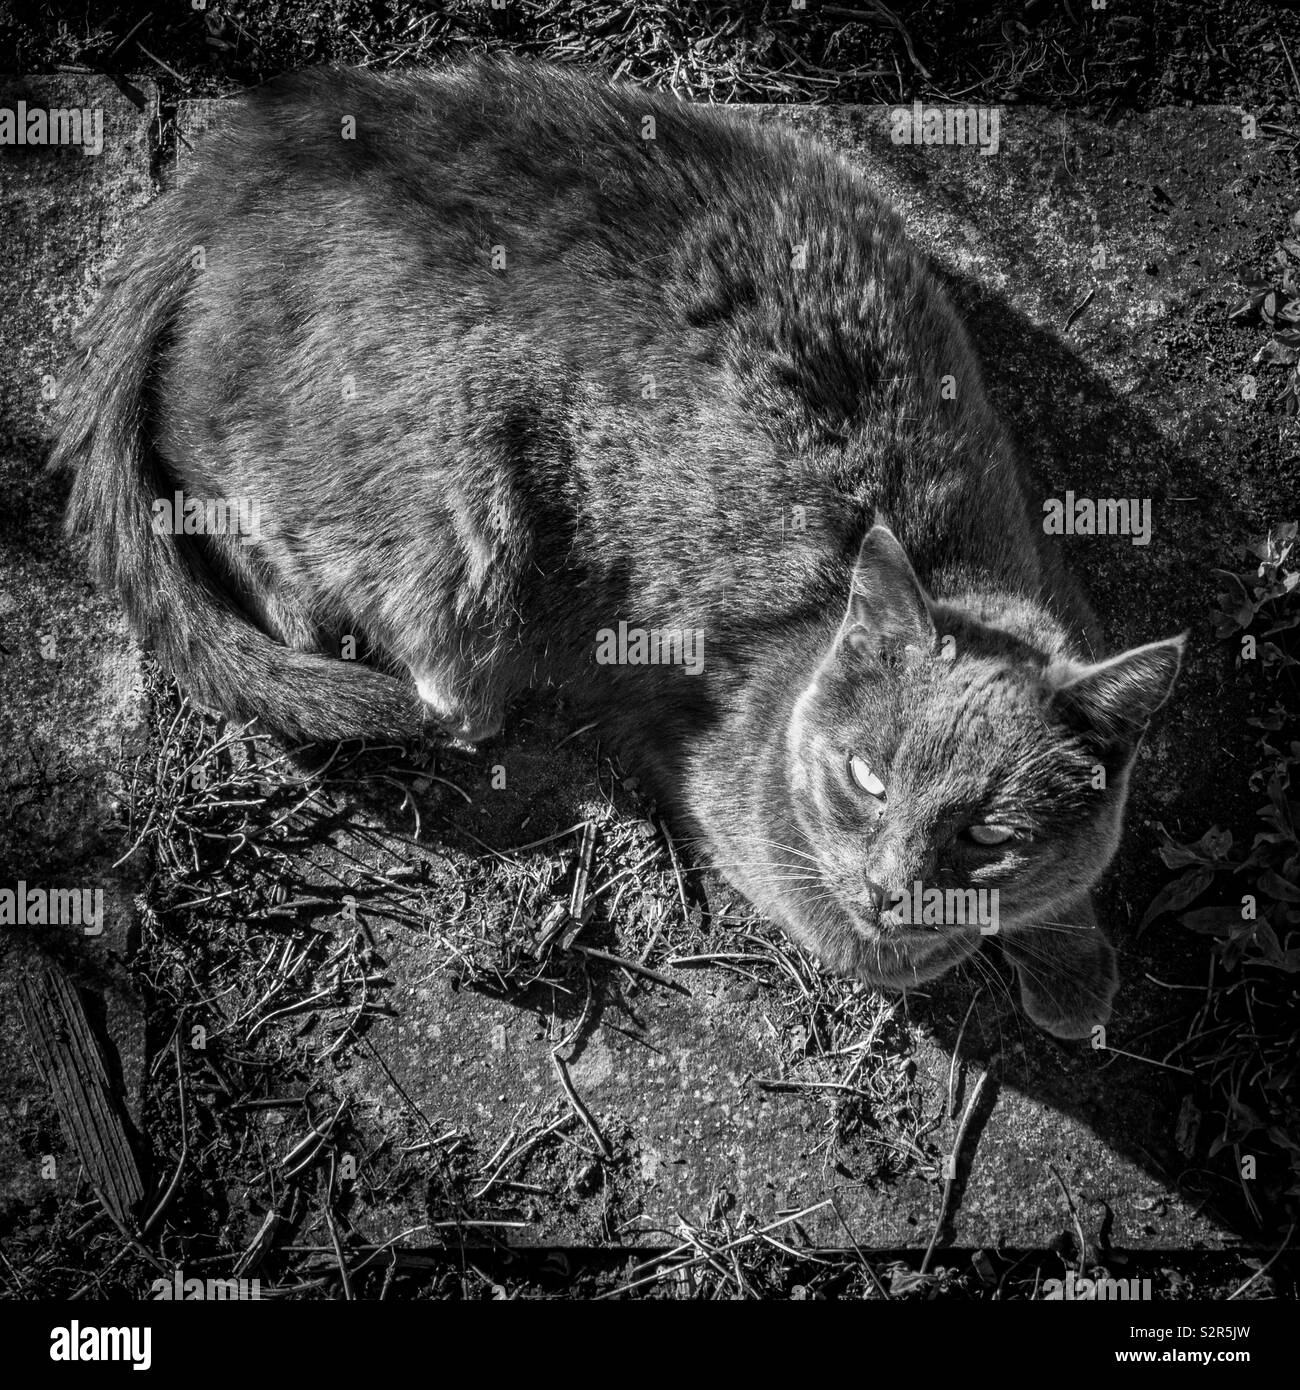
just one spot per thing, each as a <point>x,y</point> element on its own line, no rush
<point>665,303</point>
<point>489,144</point>
<point>500,201</point>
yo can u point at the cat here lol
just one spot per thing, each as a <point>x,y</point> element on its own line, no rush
<point>525,378</point>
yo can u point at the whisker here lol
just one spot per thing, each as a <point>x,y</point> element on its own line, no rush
<point>1000,988</point>
<point>1053,970</point>
<point>763,863</point>
<point>789,849</point>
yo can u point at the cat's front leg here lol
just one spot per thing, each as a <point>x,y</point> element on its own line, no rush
<point>1066,969</point>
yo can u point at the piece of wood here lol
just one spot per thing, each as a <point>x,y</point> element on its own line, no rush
<point>72,1066</point>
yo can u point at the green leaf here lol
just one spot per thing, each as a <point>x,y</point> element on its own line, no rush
<point>1277,887</point>
<point>1177,894</point>
<point>1216,842</point>
<point>1267,946</point>
<point>1178,856</point>
<point>1214,921</point>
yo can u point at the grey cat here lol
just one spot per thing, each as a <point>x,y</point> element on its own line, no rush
<point>525,378</point>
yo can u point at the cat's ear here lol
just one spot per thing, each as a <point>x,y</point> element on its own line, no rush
<point>887,605</point>
<point>1114,700</point>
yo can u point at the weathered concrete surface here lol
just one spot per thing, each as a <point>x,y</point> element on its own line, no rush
<point>69,675</point>
<point>1138,400</point>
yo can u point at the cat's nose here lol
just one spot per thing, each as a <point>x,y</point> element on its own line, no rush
<point>876,895</point>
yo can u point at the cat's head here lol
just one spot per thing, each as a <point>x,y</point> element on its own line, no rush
<point>938,750</point>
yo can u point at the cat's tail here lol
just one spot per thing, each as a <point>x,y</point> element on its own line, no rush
<point>174,598</point>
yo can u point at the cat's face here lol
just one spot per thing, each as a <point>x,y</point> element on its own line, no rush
<point>954,781</point>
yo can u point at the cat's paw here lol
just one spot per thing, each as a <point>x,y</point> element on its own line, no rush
<point>1069,1000</point>
<point>457,722</point>
<point>1070,1024</point>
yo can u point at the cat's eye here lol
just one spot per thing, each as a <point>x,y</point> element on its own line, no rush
<point>990,834</point>
<point>864,777</point>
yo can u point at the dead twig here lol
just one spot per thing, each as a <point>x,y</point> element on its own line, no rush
<point>310,1143</point>
<point>578,897</point>
<point>332,1227</point>
<point>677,869</point>
<point>1077,312</point>
<point>717,1250</point>
<point>1074,1216</point>
<point>956,1054</point>
<point>167,1196</point>
<point>579,1109</point>
<point>635,966</point>
<point>515,1155</point>
<point>954,1158</point>
<point>1263,1269</point>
